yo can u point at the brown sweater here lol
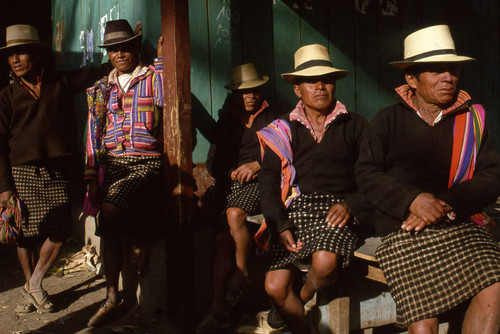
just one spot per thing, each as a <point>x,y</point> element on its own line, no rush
<point>38,130</point>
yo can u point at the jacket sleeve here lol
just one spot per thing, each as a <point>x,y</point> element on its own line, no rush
<point>270,193</point>
<point>79,80</point>
<point>158,82</point>
<point>388,194</point>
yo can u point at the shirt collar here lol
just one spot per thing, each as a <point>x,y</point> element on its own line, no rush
<point>299,115</point>
<point>139,71</point>
<point>407,95</point>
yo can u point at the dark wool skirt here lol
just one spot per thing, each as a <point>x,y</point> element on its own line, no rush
<point>434,270</point>
<point>245,196</point>
<point>127,178</point>
<point>45,194</point>
<point>308,212</point>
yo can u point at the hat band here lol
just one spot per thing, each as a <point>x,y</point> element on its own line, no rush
<point>313,63</point>
<point>432,53</point>
<point>17,41</point>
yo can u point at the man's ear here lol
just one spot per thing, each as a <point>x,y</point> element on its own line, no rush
<point>411,80</point>
<point>297,91</point>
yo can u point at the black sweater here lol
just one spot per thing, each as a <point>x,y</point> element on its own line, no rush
<point>404,157</point>
<point>37,130</point>
<point>326,167</point>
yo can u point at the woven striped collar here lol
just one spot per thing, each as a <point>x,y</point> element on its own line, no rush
<point>138,72</point>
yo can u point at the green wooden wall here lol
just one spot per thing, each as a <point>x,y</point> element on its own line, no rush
<point>362,36</point>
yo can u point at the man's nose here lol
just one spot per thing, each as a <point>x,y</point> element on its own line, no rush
<point>319,85</point>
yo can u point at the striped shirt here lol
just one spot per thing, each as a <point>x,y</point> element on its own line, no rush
<point>132,117</point>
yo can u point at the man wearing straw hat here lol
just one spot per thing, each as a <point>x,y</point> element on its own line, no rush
<point>37,142</point>
<point>430,167</point>
<point>309,195</point>
<point>234,162</point>
<point>123,137</point>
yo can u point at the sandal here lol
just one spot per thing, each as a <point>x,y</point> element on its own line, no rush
<point>43,304</point>
<point>107,312</point>
<point>24,305</point>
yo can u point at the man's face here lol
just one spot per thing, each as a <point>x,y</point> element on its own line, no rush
<point>250,99</point>
<point>436,84</point>
<point>124,57</point>
<point>22,62</point>
<point>317,93</point>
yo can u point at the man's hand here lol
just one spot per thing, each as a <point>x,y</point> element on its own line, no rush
<point>159,50</point>
<point>5,197</point>
<point>287,240</point>
<point>429,209</point>
<point>338,215</point>
<point>246,172</point>
<point>413,223</point>
<point>94,193</point>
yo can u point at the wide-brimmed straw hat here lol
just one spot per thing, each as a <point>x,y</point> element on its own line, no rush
<point>19,35</point>
<point>118,32</point>
<point>246,76</point>
<point>312,61</point>
<point>429,45</point>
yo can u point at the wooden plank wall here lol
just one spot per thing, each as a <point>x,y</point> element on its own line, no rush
<point>362,36</point>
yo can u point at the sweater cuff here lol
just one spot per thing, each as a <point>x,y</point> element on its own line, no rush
<point>91,174</point>
<point>284,225</point>
<point>158,64</point>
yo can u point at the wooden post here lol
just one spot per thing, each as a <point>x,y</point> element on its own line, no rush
<point>177,146</point>
<point>177,142</point>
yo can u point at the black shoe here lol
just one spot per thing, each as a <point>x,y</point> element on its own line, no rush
<point>274,319</point>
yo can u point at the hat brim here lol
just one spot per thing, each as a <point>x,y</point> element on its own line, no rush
<point>434,59</point>
<point>248,84</point>
<point>314,72</point>
<point>39,45</point>
<point>106,45</point>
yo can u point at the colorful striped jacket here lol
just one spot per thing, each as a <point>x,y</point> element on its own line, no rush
<point>124,123</point>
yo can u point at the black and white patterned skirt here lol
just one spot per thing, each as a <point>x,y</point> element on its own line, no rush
<point>245,196</point>
<point>308,212</point>
<point>127,178</point>
<point>434,270</point>
<point>45,193</point>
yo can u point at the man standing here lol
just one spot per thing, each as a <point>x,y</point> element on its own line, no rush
<point>124,114</point>
<point>37,144</point>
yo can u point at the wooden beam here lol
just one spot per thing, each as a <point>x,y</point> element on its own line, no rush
<point>177,144</point>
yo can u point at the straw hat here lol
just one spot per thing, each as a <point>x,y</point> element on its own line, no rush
<point>21,34</point>
<point>311,61</point>
<point>245,76</point>
<point>429,45</point>
<point>118,32</point>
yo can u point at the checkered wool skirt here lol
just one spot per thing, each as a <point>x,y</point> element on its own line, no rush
<point>128,177</point>
<point>45,193</point>
<point>308,212</point>
<point>434,270</point>
<point>245,196</point>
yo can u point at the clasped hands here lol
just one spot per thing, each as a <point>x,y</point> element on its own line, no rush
<point>426,209</point>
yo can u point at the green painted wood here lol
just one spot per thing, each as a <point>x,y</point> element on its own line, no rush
<point>367,76</point>
<point>388,50</point>
<point>314,22</point>
<point>342,50</point>
<point>286,32</point>
<point>201,102</point>
<point>257,41</point>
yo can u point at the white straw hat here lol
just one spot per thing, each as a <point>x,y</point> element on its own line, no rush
<point>429,45</point>
<point>311,61</point>
<point>245,76</point>
<point>21,34</point>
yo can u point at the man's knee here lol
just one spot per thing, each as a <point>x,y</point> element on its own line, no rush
<point>430,325</point>
<point>276,288</point>
<point>324,266</point>
<point>235,217</point>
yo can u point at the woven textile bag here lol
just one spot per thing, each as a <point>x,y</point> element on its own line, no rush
<point>11,220</point>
